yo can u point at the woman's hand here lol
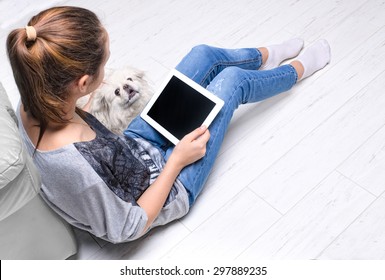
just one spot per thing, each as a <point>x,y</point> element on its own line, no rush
<point>191,148</point>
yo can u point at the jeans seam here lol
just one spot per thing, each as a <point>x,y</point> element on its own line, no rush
<point>265,78</point>
<point>295,73</point>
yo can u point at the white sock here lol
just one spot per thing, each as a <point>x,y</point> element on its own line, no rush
<point>281,52</point>
<point>315,57</point>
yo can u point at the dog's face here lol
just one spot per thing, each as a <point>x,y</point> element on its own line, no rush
<point>128,91</point>
<point>122,88</point>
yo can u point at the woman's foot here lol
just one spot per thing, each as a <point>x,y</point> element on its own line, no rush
<point>312,59</point>
<point>276,54</point>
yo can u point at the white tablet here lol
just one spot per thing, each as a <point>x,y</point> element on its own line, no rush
<point>179,106</point>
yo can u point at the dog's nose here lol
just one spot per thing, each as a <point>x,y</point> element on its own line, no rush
<point>129,89</point>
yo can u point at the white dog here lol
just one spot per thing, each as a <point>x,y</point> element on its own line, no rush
<point>121,97</point>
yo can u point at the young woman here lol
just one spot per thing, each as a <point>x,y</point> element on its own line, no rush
<point>119,187</point>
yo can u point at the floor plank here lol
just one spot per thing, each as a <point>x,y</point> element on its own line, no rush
<point>222,238</point>
<point>314,222</point>
<point>366,165</point>
<point>152,246</point>
<point>364,239</point>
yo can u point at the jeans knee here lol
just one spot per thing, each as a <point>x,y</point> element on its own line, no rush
<point>225,84</point>
<point>202,51</point>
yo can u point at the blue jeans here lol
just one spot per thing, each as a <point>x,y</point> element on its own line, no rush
<point>232,75</point>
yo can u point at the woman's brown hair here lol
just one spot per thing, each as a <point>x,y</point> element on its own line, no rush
<point>69,43</point>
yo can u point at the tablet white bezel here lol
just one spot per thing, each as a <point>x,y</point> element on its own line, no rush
<point>210,117</point>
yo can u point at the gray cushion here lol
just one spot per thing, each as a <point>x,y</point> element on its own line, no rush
<point>15,174</point>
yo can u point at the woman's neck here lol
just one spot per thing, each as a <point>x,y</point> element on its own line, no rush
<point>69,110</point>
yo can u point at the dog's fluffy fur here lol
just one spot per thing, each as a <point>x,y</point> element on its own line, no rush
<point>121,97</point>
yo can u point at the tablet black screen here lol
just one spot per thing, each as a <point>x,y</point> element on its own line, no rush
<point>180,108</point>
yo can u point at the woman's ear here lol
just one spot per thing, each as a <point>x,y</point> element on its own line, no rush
<point>83,83</point>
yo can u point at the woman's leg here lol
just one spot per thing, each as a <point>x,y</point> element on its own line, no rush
<point>201,64</point>
<point>235,86</point>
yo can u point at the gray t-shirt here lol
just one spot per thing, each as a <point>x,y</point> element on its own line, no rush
<point>94,185</point>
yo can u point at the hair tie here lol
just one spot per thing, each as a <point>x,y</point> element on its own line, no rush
<point>31,33</point>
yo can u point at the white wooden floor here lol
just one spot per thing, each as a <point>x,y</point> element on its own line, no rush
<point>300,176</point>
